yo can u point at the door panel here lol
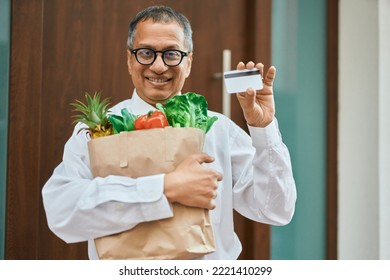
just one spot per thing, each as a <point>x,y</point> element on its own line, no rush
<point>62,48</point>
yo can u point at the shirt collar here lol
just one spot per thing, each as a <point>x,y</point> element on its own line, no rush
<point>139,106</point>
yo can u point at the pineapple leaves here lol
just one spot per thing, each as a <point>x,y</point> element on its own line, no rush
<point>93,114</point>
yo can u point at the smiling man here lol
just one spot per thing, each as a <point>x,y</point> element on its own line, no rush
<point>158,76</point>
<point>251,174</point>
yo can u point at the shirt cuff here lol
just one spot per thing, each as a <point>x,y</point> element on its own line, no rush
<point>146,189</point>
<point>266,137</point>
<point>158,208</point>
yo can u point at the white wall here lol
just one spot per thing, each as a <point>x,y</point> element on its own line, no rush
<point>364,130</point>
<point>384,129</point>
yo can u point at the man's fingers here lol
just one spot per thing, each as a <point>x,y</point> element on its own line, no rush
<point>212,205</point>
<point>250,65</point>
<point>260,66</point>
<point>205,158</point>
<point>240,66</point>
<point>219,176</point>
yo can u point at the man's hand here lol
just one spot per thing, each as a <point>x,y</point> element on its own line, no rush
<point>192,184</point>
<point>258,106</point>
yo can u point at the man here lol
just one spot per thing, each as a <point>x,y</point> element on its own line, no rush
<point>251,174</point>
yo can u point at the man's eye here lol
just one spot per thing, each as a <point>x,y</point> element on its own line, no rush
<point>146,52</point>
<point>172,55</point>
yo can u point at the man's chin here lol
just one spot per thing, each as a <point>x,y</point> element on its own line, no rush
<point>153,97</point>
<point>162,95</point>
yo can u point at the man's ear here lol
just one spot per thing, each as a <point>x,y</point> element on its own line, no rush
<point>129,57</point>
<point>189,64</point>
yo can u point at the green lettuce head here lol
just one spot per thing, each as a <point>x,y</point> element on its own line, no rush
<point>188,110</point>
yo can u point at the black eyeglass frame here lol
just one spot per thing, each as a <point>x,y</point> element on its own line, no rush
<point>183,54</point>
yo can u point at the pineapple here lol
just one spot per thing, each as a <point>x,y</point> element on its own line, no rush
<point>94,114</point>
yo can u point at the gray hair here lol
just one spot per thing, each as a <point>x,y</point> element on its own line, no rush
<point>161,14</point>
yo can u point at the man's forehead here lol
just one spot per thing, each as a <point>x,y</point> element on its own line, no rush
<point>150,30</point>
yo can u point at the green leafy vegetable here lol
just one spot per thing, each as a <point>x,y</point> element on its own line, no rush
<point>188,110</point>
<point>125,122</point>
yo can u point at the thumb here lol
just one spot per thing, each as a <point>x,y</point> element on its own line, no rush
<point>203,158</point>
<point>270,76</point>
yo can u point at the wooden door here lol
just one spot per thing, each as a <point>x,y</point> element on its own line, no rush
<point>61,48</point>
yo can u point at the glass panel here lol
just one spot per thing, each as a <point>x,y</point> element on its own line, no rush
<point>5,15</point>
<point>299,54</point>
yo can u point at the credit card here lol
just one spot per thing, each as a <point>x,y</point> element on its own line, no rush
<point>240,80</point>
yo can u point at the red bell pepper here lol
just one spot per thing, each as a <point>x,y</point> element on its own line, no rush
<point>153,119</point>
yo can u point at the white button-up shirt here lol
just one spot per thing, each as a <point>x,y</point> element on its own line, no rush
<point>257,182</point>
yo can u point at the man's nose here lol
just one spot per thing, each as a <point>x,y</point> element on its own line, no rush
<point>158,65</point>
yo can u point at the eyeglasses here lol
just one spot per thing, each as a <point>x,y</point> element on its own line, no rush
<point>146,56</point>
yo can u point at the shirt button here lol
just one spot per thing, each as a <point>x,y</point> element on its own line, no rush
<point>151,193</point>
<point>118,206</point>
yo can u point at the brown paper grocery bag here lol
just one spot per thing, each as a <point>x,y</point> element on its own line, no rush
<point>189,233</point>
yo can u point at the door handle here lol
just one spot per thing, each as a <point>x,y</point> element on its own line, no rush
<point>226,66</point>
